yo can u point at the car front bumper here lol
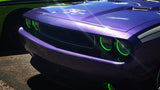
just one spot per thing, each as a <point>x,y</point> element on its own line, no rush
<point>98,70</point>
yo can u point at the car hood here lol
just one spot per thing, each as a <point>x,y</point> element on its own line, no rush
<point>120,16</point>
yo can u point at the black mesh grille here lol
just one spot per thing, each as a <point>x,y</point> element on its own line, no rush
<point>67,36</point>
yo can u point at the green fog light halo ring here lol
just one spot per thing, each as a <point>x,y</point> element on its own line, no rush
<point>123,47</point>
<point>106,43</point>
<point>28,22</point>
<point>35,25</point>
<point>109,86</point>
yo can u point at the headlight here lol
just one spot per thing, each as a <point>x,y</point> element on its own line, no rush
<point>114,49</point>
<point>35,25</point>
<point>31,26</point>
<point>28,23</point>
<point>122,47</point>
<point>106,43</point>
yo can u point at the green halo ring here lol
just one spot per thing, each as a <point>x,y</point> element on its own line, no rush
<point>27,23</point>
<point>34,25</point>
<point>122,53</point>
<point>110,87</point>
<point>105,48</point>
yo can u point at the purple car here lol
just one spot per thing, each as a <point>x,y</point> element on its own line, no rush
<point>100,45</point>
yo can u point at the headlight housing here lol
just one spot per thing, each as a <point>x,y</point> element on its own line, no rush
<point>115,49</point>
<point>31,26</point>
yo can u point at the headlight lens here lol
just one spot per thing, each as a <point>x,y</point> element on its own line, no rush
<point>35,25</point>
<point>28,23</point>
<point>106,43</point>
<point>122,47</point>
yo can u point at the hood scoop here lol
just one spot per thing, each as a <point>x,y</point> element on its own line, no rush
<point>141,8</point>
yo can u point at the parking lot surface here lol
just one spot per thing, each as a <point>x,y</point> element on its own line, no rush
<point>16,70</point>
<point>16,73</point>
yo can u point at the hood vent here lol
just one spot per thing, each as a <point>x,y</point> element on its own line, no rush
<point>141,8</point>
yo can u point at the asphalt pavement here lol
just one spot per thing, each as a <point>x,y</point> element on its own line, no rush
<point>16,73</point>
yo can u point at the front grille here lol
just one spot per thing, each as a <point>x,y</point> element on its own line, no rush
<point>67,36</point>
<point>73,40</point>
